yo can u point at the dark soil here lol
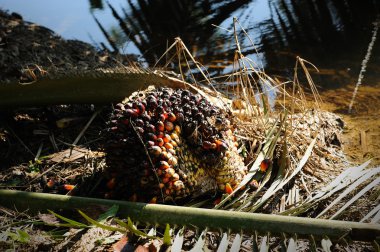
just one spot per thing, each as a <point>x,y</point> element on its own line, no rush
<point>24,45</point>
<point>28,136</point>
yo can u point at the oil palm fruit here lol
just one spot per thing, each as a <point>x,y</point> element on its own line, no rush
<point>167,144</point>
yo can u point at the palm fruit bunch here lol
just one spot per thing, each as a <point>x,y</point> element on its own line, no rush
<point>165,144</point>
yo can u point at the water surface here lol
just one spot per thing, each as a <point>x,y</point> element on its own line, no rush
<point>332,34</point>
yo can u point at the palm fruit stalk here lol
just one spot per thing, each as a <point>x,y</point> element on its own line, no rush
<point>165,144</point>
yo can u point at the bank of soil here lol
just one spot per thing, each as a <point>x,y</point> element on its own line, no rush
<point>25,45</point>
<point>361,134</point>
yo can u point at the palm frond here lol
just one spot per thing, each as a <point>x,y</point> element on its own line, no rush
<point>366,175</point>
<point>346,178</point>
<point>200,242</point>
<point>277,186</point>
<point>178,241</point>
<point>163,215</point>
<point>223,244</point>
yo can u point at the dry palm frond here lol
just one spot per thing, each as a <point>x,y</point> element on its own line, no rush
<point>297,138</point>
<point>365,177</point>
<point>373,212</point>
<point>257,123</point>
<point>342,187</point>
<point>282,182</point>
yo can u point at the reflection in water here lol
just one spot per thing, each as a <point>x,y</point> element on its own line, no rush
<point>96,4</point>
<point>153,25</point>
<point>333,34</point>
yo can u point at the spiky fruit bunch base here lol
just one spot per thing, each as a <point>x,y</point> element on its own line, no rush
<point>168,144</point>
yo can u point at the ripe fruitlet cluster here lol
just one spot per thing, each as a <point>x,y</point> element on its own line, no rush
<point>167,144</point>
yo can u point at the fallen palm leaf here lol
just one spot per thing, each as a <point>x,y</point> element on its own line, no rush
<point>340,182</point>
<point>376,245</point>
<point>132,228</point>
<point>152,232</point>
<point>357,196</point>
<point>264,247</point>
<point>313,244</point>
<point>277,186</point>
<point>376,218</point>
<point>236,243</point>
<point>95,86</point>
<point>371,213</point>
<point>255,244</point>
<point>326,244</point>
<point>178,241</point>
<point>292,245</point>
<point>72,223</point>
<point>167,236</point>
<point>111,212</point>
<point>200,242</point>
<point>98,224</point>
<point>223,245</point>
<point>18,236</point>
<point>369,173</point>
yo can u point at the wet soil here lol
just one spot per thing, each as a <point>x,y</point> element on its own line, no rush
<point>361,134</point>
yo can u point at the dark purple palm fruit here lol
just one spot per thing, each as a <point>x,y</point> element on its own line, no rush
<point>169,144</point>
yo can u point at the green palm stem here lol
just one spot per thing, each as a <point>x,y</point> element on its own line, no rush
<point>196,217</point>
<point>96,87</point>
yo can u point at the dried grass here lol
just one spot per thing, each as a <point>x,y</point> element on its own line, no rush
<point>295,134</point>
